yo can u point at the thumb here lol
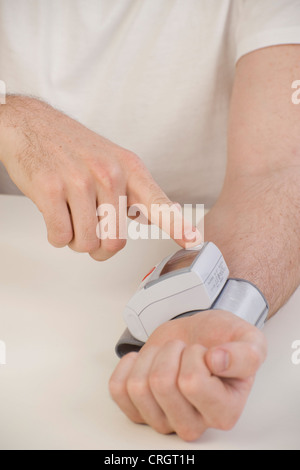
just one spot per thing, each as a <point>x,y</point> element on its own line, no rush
<point>237,360</point>
<point>154,204</point>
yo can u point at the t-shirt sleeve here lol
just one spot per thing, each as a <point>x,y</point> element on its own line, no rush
<point>264,23</point>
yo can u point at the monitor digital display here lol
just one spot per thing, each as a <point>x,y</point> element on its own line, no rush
<point>182,259</point>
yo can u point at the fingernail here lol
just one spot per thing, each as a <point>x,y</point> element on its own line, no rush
<point>193,235</point>
<point>220,361</point>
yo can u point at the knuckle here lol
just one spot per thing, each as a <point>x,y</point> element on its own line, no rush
<point>109,176</point>
<point>82,184</point>
<point>104,252</point>
<point>137,388</point>
<point>115,173</point>
<point>113,246</point>
<point>189,384</point>
<point>97,257</point>
<point>88,246</point>
<point>130,158</point>
<point>136,418</point>
<point>60,239</point>
<point>60,232</point>
<point>52,187</point>
<point>163,427</point>
<point>85,240</point>
<point>176,344</point>
<point>161,383</point>
<point>133,163</point>
<point>189,433</point>
<point>100,255</point>
<point>225,423</point>
<point>92,246</point>
<point>224,417</point>
<point>116,388</point>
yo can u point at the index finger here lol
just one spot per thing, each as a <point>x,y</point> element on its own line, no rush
<point>146,194</point>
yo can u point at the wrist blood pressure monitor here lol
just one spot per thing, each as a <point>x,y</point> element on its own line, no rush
<point>183,284</point>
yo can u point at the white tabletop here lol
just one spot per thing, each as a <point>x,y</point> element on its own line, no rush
<point>60,316</point>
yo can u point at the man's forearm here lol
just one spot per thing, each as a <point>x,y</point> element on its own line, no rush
<point>256,224</point>
<point>256,221</point>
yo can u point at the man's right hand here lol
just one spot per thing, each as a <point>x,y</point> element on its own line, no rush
<point>68,171</point>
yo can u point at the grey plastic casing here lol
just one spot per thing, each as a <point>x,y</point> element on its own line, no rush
<point>185,281</point>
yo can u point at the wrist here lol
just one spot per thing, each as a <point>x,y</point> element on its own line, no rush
<point>256,226</point>
<point>8,128</point>
<point>13,124</point>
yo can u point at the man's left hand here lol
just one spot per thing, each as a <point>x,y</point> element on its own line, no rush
<point>192,374</point>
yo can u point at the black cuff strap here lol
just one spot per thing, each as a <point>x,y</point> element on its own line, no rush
<point>127,343</point>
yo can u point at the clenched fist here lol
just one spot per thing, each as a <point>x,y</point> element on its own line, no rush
<point>192,374</point>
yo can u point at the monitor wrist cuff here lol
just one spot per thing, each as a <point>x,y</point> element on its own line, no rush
<point>238,296</point>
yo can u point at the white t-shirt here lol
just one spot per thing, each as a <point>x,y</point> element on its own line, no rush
<point>154,76</point>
